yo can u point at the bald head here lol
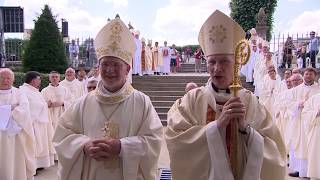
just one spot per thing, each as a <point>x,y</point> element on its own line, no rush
<point>70,74</point>
<point>296,79</point>
<point>6,78</point>
<point>190,86</point>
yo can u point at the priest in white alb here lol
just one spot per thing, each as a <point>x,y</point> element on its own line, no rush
<point>43,129</point>
<point>114,132</point>
<point>298,138</point>
<point>137,55</point>
<point>74,86</point>
<point>17,148</point>
<point>311,119</point>
<point>166,58</point>
<point>57,97</point>
<point>270,90</point>
<point>198,133</point>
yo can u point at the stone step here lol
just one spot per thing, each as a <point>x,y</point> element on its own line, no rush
<point>163,116</point>
<point>164,98</point>
<point>154,88</point>
<point>162,103</point>
<point>166,78</point>
<point>164,93</point>
<point>162,109</point>
<point>161,84</point>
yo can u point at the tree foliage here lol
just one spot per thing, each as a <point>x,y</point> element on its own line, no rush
<point>244,12</point>
<point>45,51</point>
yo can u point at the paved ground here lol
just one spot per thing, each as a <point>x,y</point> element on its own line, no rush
<point>51,173</point>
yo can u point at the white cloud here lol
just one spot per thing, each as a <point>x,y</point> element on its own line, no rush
<point>118,3</point>
<point>306,22</point>
<point>181,20</point>
<point>81,23</point>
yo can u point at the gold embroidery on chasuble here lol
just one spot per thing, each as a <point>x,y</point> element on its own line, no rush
<point>111,129</point>
<point>211,115</point>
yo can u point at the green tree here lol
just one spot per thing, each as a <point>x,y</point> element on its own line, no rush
<point>244,12</point>
<point>45,50</point>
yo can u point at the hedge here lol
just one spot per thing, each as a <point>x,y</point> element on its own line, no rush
<point>19,78</point>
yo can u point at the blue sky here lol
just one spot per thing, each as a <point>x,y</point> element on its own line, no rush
<point>177,21</point>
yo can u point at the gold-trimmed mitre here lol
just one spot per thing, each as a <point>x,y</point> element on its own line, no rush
<point>115,39</point>
<point>220,34</point>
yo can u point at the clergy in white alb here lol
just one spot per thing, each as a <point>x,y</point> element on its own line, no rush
<point>148,58</point>
<point>95,74</point>
<point>287,74</point>
<point>198,133</point>
<point>43,129</point>
<point>311,119</point>
<point>82,78</point>
<point>298,139</point>
<point>270,90</point>
<point>247,69</point>
<point>57,97</point>
<point>112,133</point>
<point>260,68</point>
<point>17,150</point>
<point>74,86</point>
<point>156,59</point>
<point>136,66</point>
<point>166,58</point>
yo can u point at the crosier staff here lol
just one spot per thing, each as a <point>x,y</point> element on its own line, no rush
<point>242,55</point>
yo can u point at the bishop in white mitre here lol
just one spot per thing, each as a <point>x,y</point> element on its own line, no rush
<point>199,132</point>
<point>114,131</point>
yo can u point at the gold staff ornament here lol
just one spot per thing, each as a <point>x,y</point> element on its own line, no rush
<point>242,55</point>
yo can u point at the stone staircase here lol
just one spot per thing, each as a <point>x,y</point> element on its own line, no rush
<point>190,67</point>
<point>165,90</point>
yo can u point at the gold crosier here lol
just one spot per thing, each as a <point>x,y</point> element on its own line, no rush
<point>242,55</point>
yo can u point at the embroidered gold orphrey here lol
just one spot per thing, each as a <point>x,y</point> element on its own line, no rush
<point>217,34</point>
<point>111,131</point>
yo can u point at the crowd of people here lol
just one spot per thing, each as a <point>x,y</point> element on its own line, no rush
<point>305,52</point>
<point>290,101</point>
<point>100,127</point>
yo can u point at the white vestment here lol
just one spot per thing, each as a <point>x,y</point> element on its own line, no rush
<point>166,59</point>
<point>137,58</point>
<point>198,150</point>
<point>43,129</point>
<point>247,69</point>
<point>269,92</point>
<point>17,150</point>
<point>297,134</point>
<point>127,115</point>
<point>75,88</point>
<point>312,127</point>
<point>56,94</point>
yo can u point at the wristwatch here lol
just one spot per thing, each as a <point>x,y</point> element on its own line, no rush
<point>245,130</point>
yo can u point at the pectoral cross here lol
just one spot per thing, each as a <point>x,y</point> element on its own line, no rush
<point>111,131</point>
